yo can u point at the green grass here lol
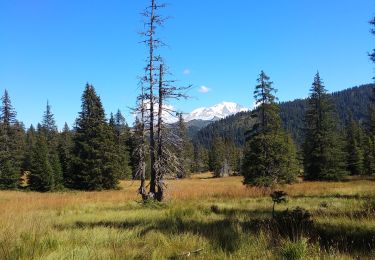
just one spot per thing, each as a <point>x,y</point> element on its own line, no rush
<point>114,225</point>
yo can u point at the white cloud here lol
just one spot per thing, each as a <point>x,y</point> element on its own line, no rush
<point>204,89</point>
<point>186,72</point>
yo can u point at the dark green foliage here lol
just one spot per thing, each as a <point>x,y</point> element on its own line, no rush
<point>294,224</point>
<point>41,176</point>
<point>278,197</point>
<point>121,135</point>
<point>49,130</point>
<point>184,150</point>
<point>30,142</point>
<point>64,148</point>
<point>354,147</point>
<point>292,115</point>
<point>200,159</point>
<point>217,158</point>
<point>369,155</point>
<point>9,175</point>
<point>12,145</point>
<point>94,159</point>
<point>269,159</point>
<point>270,156</point>
<point>369,141</point>
<point>8,114</point>
<point>323,150</point>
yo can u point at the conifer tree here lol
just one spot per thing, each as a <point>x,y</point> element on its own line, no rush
<point>368,157</point>
<point>41,176</point>
<point>65,147</point>
<point>121,135</point>
<point>270,155</point>
<point>49,129</point>
<point>11,145</point>
<point>369,140</point>
<point>183,169</point>
<point>94,161</point>
<point>30,142</point>
<point>323,149</point>
<point>354,150</point>
<point>217,160</point>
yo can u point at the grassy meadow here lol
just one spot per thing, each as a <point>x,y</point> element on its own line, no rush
<point>219,218</point>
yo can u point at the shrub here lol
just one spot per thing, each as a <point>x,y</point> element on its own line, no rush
<point>369,206</point>
<point>294,250</point>
<point>293,224</point>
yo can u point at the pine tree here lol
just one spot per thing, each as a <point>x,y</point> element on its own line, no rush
<point>270,156</point>
<point>8,114</point>
<point>121,136</point>
<point>323,156</point>
<point>30,142</point>
<point>368,157</point>
<point>65,147</point>
<point>41,176</point>
<point>49,129</point>
<point>11,145</point>
<point>94,161</point>
<point>354,150</point>
<point>183,149</point>
<point>217,160</point>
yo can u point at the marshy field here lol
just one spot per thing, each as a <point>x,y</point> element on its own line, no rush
<point>201,218</point>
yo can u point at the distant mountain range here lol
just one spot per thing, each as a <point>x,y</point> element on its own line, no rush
<point>233,126</point>
<point>215,112</point>
<point>202,117</point>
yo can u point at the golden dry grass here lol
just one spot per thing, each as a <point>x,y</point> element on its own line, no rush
<point>198,187</point>
<point>45,224</point>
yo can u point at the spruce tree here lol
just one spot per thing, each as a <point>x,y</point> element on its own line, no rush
<point>217,160</point>
<point>65,147</point>
<point>11,145</point>
<point>354,147</point>
<point>94,160</point>
<point>324,158</point>
<point>41,176</point>
<point>49,129</point>
<point>121,134</point>
<point>270,156</point>
<point>183,169</point>
<point>30,142</point>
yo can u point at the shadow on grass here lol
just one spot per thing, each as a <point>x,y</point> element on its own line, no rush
<point>226,234</point>
<point>351,239</point>
<point>332,196</point>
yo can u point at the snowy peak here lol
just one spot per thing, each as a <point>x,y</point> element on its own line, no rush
<point>215,112</point>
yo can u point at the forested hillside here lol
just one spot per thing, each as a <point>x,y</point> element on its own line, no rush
<point>354,100</point>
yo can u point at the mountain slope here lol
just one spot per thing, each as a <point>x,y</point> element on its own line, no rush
<point>354,100</point>
<point>215,112</point>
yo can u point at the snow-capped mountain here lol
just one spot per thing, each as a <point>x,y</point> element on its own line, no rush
<point>215,112</point>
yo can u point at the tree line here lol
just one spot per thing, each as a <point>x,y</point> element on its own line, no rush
<point>98,152</point>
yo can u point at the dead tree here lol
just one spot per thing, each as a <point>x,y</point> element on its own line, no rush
<point>141,144</point>
<point>153,108</point>
<point>153,20</point>
<point>168,140</point>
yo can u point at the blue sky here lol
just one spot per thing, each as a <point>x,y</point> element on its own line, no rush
<point>49,49</point>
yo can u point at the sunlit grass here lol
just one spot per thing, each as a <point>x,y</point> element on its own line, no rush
<point>214,215</point>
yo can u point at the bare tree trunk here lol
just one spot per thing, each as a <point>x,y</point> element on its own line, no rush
<point>160,191</point>
<point>151,97</point>
<point>142,152</point>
